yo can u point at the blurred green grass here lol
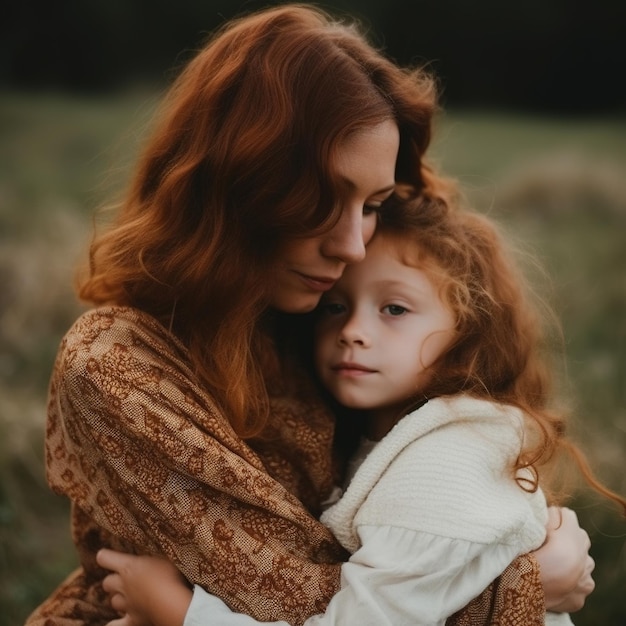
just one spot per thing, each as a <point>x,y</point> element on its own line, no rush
<point>558,185</point>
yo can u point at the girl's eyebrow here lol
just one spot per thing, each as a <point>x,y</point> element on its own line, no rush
<point>391,283</point>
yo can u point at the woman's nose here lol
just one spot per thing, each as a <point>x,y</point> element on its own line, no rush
<point>346,240</point>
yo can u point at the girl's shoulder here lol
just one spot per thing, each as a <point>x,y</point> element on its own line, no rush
<point>461,414</point>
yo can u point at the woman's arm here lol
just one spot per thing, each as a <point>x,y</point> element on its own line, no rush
<point>149,590</point>
<point>142,451</point>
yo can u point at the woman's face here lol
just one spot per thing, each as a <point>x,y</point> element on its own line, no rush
<point>306,268</point>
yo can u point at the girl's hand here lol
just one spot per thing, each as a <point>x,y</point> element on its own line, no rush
<point>145,590</point>
<point>565,563</point>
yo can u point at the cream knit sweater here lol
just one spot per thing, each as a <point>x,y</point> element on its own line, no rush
<point>446,470</point>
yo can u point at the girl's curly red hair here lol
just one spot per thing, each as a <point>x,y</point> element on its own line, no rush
<point>501,351</point>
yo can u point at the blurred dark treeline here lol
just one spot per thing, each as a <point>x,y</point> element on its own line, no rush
<point>548,56</point>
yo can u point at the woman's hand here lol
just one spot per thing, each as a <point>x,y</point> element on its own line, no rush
<point>565,563</point>
<point>145,590</point>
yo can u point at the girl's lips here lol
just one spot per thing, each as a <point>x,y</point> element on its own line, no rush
<point>352,369</point>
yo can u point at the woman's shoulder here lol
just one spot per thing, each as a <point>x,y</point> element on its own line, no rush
<point>111,324</point>
<point>103,319</point>
<point>117,338</point>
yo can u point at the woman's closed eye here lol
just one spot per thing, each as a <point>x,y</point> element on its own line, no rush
<point>376,206</point>
<point>372,207</point>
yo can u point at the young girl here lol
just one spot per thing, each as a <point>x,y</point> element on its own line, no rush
<point>433,346</point>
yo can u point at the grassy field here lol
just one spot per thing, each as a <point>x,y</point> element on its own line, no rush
<point>559,186</point>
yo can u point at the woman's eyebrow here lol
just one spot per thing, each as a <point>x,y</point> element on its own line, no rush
<point>350,184</point>
<point>386,189</point>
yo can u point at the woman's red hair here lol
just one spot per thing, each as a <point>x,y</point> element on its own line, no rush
<point>501,351</point>
<point>239,163</point>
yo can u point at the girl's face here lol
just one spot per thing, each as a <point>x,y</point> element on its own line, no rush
<point>380,327</point>
<point>365,166</point>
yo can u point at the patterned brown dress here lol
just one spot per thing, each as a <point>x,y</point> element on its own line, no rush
<point>151,466</point>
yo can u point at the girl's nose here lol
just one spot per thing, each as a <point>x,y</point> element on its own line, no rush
<point>354,333</point>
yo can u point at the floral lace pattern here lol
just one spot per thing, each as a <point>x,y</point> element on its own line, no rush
<point>514,599</point>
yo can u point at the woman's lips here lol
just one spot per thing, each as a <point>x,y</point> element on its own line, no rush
<point>318,283</point>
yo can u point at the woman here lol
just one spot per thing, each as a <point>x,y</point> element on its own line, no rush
<point>179,420</point>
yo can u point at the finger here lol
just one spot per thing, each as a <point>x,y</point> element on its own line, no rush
<point>575,599</point>
<point>588,584</point>
<point>562,516</point>
<point>112,583</point>
<point>110,559</point>
<point>121,621</point>
<point>554,516</point>
<point>589,587</point>
<point>118,603</point>
<point>566,517</point>
<point>587,541</point>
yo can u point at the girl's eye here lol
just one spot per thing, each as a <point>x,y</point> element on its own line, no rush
<point>395,309</point>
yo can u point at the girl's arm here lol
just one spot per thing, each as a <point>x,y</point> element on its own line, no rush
<point>151,591</point>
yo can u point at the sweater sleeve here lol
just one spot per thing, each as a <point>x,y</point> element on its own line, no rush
<point>379,597</point>
<point>146,458</point>
<point>396,577</point>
